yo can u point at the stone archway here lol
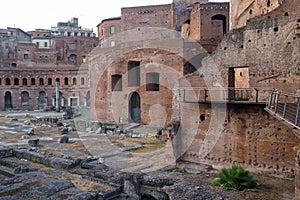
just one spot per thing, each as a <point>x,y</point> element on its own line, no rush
<point>135,108</point>
<point>8,100</point>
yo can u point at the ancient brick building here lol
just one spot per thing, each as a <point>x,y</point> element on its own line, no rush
<point>259,53</point>
<point>31,65</point>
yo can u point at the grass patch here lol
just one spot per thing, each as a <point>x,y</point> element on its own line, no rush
<point>175,169</point>
<point>156,145</point>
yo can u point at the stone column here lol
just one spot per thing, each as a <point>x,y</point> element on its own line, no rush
<point>297,176</point>
<point>57,96</point>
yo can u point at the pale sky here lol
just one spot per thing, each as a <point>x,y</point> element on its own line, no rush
<point>31,14</point>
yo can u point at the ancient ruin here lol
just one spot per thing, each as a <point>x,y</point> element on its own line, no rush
<point>151,108</point>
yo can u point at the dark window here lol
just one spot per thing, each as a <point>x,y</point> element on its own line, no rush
<point>37,44</point>
<point>24,81</point>
<point>7,81</point>
<point>5,64</point>
<point>26,56</point>
<point>32,81</point>
<point>46,44</point>
<point>116,82</point>
<point>49,81</point>
<point>268,3</point>
<point>276,29</point>
<point>82,81</point>
<point>133,73</point>
<point>74,81</point>
<point>152,82</point>
<point>69,34</point>
<point>41,81</point>
<point>66,81</point>
<point>0,81</point>
<point>16,81</point>
<point>14,64</point>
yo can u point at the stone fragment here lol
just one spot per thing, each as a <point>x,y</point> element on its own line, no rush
<point>64,139</point>
<point>34,142</point>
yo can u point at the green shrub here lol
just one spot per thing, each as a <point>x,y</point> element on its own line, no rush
<point>236,178</point>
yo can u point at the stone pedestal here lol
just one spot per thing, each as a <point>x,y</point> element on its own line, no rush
<point>297,176</point>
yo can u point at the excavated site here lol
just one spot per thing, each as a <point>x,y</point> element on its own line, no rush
<point>46,156</point>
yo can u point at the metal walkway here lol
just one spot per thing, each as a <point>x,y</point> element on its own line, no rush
<point>285,106</point>
<point>225,95</point>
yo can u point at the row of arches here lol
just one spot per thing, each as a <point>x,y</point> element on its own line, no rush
<point>41,81</point>
<point>42,100</point>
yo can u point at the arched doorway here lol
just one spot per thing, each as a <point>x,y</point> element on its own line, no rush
<point>24,98</point>
<point>135,108</point>
<point>8,100</point>
<point>42,100</point>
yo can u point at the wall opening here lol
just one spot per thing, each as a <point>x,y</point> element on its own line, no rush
<point>16,81</point>
<point>66,80</point>
<point>24,82</point>
<point>221,18</point>
<point>8,100</point>
<point>7,81</point>
<point>49,81</point>
<point>42,100</point>
<point>41,81</point>
<point>152,81</point>
<point>72,59</point>
<point>135,108</point>
<point>116,82</point>
<point>74,81</point>
<point>32,81</point>
<point>133,73</point>
<point>24,98</point>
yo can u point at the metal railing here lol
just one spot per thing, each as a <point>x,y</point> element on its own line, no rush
<point>285,106</point>
<point>226,95</point>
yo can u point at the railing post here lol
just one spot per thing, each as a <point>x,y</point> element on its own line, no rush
<point>297,113</point>
<point>276,101</point>
<point>284,109</point>
<point>256,98</point>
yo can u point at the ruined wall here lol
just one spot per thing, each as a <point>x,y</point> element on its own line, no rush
<point>156,106</point>
<point>181,12</point>
<point>251,137</point>
<point>269,49</point>
<point>208,23</point>
<point>297,176</point>
<point>146,16</point>
<point>243,11</point>
<point>104,28</point>
<point>70,86</point>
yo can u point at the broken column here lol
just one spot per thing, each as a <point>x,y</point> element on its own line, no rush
<point>57,96</point>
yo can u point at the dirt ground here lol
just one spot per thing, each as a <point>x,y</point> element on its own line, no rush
<point>271,188</point>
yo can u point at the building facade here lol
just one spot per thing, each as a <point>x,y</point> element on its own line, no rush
<point>31,65</point>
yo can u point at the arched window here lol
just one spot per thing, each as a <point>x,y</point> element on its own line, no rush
<point>24,82</point>
<point>16,81</point>
<point>32,81</point>
<point>66,80</point>
<point>74,81</point>
<point>49,81</point>
<point>7,81</point>
<point>0,81</point>
<point>41,81</point>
